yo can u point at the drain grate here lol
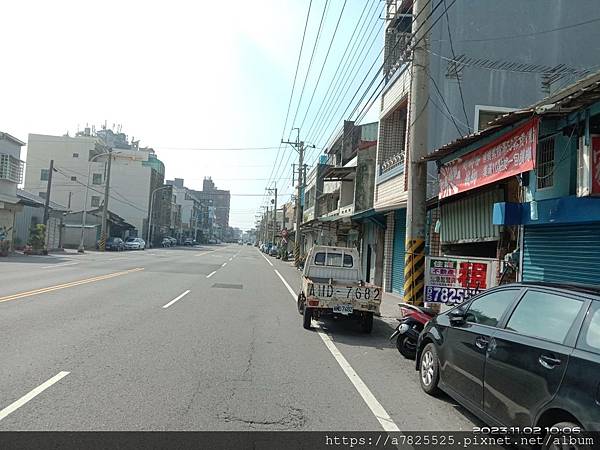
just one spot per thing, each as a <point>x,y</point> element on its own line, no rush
<point>228,286</point>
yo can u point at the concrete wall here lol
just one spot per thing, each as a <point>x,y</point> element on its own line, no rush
<point>365,179</point>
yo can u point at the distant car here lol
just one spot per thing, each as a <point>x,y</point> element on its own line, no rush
<point>135,243</point>
<point>166,242</point>
<point>189,242</point>
<point>212,241</point>
<point>273,251</point>
<point>248,243</point>
<point>519,355</point>
<point>113,244</point>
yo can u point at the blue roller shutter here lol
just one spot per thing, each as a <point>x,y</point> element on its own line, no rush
<point>562,253</point>
<point>398,256</point>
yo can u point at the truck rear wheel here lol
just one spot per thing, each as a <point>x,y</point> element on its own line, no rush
<point>306,322</point>
<point>366,323</point>
<point>301,303</point>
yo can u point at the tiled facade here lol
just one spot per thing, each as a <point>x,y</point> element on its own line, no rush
<point>388,252</point>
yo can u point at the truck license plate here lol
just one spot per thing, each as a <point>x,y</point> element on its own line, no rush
<point>343,309</point>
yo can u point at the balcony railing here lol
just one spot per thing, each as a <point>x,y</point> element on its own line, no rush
<point>391,163</point>
<point>11,168</point>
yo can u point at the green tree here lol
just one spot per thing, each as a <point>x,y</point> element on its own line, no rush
<point>37,237</point>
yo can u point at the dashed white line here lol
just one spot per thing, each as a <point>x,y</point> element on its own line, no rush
<point>52,266</point>
<point>211,274</point>
<point>179,297</point>
<point>224,264</point>
<point>32,394</point>
<point>376,408</point>
<point>270,263</point>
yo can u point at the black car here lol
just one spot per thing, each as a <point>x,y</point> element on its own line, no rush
<point>113,243</point>
<point>520,355</point>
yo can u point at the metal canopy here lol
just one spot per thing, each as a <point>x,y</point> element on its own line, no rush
<point>340,174</point>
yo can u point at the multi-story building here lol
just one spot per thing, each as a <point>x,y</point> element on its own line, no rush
<point>191,211</point>
<point>81,162</point>
<point>467,87</point>
<point>219,200</point>
<point>11,175</point>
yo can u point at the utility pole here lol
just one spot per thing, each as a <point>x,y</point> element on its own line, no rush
<point>299,146</point>
<point>274,190</point>
<point>414,260</point>
<point>103,230</point>
<point>266,219</point>
<point>47,199</point>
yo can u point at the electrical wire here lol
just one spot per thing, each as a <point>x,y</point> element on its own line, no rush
<point>462,99</point>
<point>324,63</point>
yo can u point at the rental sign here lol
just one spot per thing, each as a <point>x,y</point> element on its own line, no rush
<point>508,155</point>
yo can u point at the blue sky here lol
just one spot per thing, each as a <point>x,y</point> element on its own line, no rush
<point>180,75</point>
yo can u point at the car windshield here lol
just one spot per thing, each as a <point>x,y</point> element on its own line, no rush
<point>211,210</point>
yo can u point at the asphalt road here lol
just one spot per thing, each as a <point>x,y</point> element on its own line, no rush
<point>204,338</point>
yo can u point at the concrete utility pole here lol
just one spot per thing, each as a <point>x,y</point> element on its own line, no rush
<point>299,146</point>
<point>274,191</point>
<point>48,189</point>
<point>103,230</point>
<point>414,260</point>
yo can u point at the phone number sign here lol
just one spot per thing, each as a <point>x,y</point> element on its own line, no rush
<point>453,280</point>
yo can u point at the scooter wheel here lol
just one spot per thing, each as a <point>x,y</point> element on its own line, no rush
<point>406,346</point>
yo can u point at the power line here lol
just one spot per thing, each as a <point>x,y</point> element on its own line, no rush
<point>385,60</point>
<point>334,79</point>
<point>462,99</point>
<point>287,114</point>
<point>324,63</point>
<point>312,55</point>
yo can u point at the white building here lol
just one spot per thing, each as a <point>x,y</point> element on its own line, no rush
<point>11,173</point>
<point>134,173</point>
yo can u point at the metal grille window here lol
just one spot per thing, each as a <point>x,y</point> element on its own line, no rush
<point>545,163</point>
<point>97,178</point>
<point>73,178</point>
<point>95,201</point>
<point>44,174</point>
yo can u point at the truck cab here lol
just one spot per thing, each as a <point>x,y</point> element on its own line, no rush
<point>332,286</point>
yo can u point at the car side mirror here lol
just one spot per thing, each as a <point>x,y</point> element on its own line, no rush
<point>457,317</point>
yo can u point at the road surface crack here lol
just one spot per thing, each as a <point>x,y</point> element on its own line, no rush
<point>293,419</point>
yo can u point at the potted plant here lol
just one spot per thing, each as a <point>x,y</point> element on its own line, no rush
<point>37,240</point>
<point>4,247</point>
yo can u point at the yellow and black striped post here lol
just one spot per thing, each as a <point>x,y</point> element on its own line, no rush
<point>414,270</point>
<point>296,254</point>
<point>102,243</point>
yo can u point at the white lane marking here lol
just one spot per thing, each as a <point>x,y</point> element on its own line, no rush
<point>179,297</point>
<point>224,264</point>
<point>289,288</point>
<point>204,253</point>
<point>376,408</point>
<point>230,258</point>
<point>211,274</point>
<point>261,254</point>
<point>52,266</point>
<point>32,394</point>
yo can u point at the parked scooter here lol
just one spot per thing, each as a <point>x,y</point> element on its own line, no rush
<point>411,324</point>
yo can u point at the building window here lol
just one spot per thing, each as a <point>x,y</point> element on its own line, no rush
<point>75,155</point>
<point>97,178</point>
<point>42,194</point>
<point>73,178</point>
<point>95,201</point>
<point>545,163</point>
<point>485,114</point>
<point>44,174</point>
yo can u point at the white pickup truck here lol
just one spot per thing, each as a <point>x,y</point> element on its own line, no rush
<point>332,286</point>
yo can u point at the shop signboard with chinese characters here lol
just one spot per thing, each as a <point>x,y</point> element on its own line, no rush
<point>504,157</point>
<point>452,280</point>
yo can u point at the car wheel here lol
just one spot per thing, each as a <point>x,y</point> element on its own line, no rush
<point>300,303</point>
<point>553,441</point>
<point>306,321</point>
<point>366,323</point>
<point>429,370</point>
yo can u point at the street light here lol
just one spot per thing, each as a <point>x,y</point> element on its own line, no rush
<point>81,248</point>
<point>150,215</point>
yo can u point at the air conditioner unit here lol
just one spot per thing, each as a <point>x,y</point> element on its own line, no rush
<point>588,166</point>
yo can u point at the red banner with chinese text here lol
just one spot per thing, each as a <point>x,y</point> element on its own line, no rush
<point>508,155</point>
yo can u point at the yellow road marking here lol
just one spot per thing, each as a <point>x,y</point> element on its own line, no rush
<point>66,285</point>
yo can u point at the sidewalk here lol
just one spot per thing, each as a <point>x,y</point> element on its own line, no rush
<point>389,306</point>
